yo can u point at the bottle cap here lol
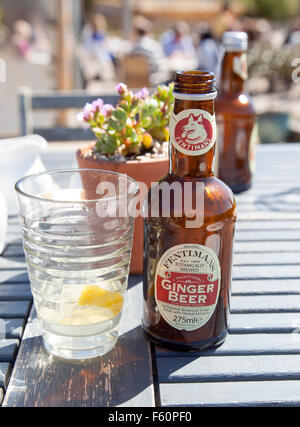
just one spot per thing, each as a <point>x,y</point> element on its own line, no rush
<point>234,41</point>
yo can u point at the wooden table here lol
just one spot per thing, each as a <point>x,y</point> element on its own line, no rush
<point>259,364</point>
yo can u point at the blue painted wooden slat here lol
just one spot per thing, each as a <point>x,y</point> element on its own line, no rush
<point>5,370</point>
<point>73,99</point>
<point>228,368</point>
<point>15,292</point>
<point>13,238</point>
<point>14,309</point>
<point>280,149</point>
<point>250,393</point>
<point>13,251</point>
<point>269,185</point>
<point>247,344</point>
<point>265,287</point>
<point>249,211</point>
<point>285,175</point>
<point>265,304</point>
<point>283,272</point>
<point>12,264</point>
<point>12,328</point>
<point>249,323</point>
<point>267,235</point>
<point>268,258</point>
<point>8,349</point>
<point>263,247</point>
<point>65,134</point>
<point>258,200</point>
<point>267,225</point>
<point>14,224</point>
<point>264,187</point>
<point>14,277</point>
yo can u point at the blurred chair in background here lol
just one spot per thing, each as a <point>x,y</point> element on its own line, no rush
<point>135,71</point>
<point>146,54</point>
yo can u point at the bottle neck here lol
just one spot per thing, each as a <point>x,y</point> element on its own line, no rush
<point>185,165</point>
<point>233,72</point>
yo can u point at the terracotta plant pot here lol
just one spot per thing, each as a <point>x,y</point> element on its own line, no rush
<point>142,171</point>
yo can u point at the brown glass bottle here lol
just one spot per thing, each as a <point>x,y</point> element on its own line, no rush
<point>235,115</point>
<point>188,254</point>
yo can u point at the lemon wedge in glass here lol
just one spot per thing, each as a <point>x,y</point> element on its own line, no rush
<point>93,295</point>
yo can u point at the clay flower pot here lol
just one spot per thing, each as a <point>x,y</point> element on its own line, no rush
<point>147,171</point>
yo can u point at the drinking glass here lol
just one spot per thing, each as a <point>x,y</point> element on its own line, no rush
<point>77,228</point>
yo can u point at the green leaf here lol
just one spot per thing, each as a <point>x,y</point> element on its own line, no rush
<point>134,106</point>
<point>121,116</point>
<point>109,145</point>
<point>134,136</point>
<point>146,122</point>
<point>116,125</point>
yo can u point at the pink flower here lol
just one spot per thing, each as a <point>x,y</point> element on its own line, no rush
<point>107,109</point>
<point>121,88</point>
<point>97,105</point>
<point>143,93</point>
<point>87,114</point>
<point>80,116</point>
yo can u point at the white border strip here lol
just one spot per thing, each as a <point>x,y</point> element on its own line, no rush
<point>195,96</point>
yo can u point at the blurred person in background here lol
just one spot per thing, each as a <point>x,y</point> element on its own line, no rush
<point>94,55</point>
<point>143,44</point>
<point>177,41</point>
<point>31,42</point>
<point>207,49</point>
<point>22,38</point>
<point>224,21</point>
<point>94,33</point>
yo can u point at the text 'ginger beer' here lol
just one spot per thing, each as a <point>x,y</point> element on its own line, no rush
<point>235,115</point>
<point>189,227</point>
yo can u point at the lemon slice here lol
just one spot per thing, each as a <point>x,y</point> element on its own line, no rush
<point>93,295</point>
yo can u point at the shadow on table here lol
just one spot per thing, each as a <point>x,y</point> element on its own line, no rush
<point>118,378</point>
<point>10,277</point>
<point>134,280</point>
<point>286,201</point>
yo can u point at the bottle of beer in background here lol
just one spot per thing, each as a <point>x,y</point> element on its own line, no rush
<point>188,250</point>
<point>235,115</point>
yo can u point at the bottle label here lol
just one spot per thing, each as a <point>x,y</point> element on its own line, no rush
<point>193,132</point>
<point>187,285</point>
<point>240,66</point>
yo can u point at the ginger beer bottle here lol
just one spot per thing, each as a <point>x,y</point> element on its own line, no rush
<point>189,227</point>
<point>235,115</point>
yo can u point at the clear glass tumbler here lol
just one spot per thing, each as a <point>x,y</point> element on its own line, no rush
<point>77,236</point>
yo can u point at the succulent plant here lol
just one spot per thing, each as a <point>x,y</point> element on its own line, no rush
<point>134,126</point>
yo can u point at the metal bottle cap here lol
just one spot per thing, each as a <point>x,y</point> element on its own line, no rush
<point>235,41</point>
